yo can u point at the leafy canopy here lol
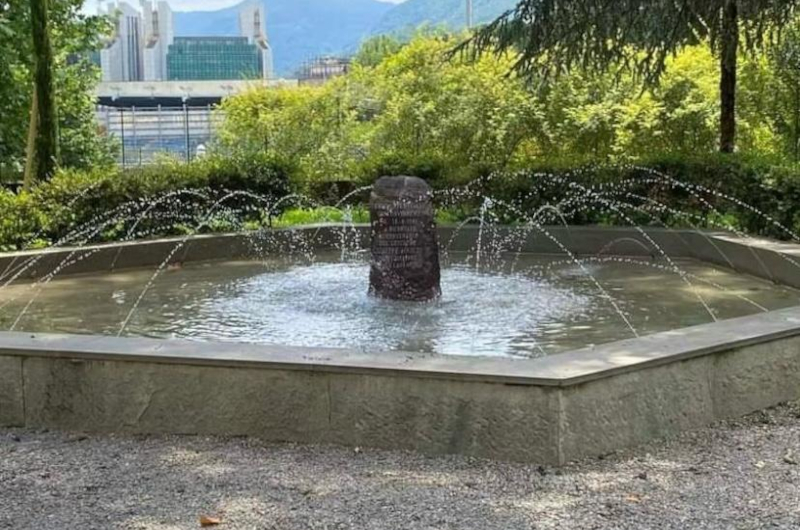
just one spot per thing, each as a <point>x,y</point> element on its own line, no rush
<point>74,35</point>
<point>556,36</point>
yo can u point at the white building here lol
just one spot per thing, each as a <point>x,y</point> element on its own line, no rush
<point>159,34</point>
<point>252,24</point>
<point>121,59</point>
<point>139,46</point>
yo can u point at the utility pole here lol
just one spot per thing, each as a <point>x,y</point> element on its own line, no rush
<point>469,14</point>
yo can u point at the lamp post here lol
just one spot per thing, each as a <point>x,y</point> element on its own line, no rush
<point>469,14</point>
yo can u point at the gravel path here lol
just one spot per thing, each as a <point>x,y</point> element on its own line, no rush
<point>739,474</point>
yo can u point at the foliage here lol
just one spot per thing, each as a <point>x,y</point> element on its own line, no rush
<point>74,35</point>
<point>358,214</point>
<point>310,216</point>
<point>451,121</point>
<point>77,200</point>
<point>785,87</point>
<point>374,50</point>
<point>751,195</point>
<point>415,107</point>
<point>673,191</point>
<point>597,36</point>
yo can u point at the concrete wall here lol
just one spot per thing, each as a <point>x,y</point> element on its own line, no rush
<point>581,241</point>
<point>550,410</point>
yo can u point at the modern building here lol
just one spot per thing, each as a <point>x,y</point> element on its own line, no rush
<point>144,47</point>
<point>253,25</point>
<point>159,36</point>
<point>122,57</point>
<point>213,58</point>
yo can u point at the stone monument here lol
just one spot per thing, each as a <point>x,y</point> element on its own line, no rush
<point>405,247</point>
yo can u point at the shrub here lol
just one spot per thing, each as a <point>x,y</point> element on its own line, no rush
<point>716,191</point>
<point>112,199</point>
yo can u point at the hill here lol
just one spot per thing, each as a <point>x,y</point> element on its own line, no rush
<point>405,17</point>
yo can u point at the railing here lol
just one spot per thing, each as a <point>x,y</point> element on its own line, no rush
<point>145,133</point>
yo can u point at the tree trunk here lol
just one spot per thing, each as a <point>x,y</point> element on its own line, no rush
<point>796,125</point>
<point>729,45</point>
<point>45,153</point>
<point>30,151</point>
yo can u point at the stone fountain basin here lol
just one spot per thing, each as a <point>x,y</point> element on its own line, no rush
<point>550,410</point>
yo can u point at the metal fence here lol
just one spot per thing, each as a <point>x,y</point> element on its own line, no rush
<point>145,133</point>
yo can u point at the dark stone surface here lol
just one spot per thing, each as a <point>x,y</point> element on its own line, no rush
<point>405,246</point>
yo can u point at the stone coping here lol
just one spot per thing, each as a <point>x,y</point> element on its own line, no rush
<point>769,260</point>
<point>561,370</point>
<point>764,258</point>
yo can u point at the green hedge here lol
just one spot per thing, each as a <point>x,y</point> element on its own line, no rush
<point>714,191</point>
<point>75,199</point>
<point>72,199</point>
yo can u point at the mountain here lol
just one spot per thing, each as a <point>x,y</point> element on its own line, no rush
<point>405,17</point>
<point>297,29</point>
<point>303,29</point>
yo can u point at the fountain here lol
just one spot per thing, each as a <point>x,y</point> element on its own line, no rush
<point>532,339</point>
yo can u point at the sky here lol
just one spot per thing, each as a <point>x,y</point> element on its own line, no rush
<point>90,6</point>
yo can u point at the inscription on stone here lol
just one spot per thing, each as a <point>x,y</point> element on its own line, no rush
<point>405,248</point>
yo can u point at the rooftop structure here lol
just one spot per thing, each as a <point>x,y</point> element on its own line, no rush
<point>322,69</point>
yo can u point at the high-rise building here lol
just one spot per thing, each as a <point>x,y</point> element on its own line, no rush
<point>144,47</point>
<point>159,36</point>
<point>252,24</point>
<point>121,59</point>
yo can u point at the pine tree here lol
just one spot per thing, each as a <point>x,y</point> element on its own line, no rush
<point>554,36</point>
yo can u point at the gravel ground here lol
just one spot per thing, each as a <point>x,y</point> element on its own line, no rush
<point>738,474</point>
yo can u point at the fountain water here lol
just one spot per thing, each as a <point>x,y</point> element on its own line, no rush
<point>498,291</point>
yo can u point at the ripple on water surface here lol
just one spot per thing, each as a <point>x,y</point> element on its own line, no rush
<point>548,305</point>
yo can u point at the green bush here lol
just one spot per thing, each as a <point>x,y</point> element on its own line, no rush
<point>112,200</point>
<point>711,191</point>
<point>753,195</point>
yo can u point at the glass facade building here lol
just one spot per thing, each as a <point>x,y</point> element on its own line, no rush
<point>213,58</point>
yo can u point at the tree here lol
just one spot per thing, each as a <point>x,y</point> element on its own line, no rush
<point>555,36</point>
<point>74,36</point>
<point>43,155</point>
<point>376,49</point>
<point>785,60</point>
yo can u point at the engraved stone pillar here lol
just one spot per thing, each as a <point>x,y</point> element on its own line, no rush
<point>405,247</point>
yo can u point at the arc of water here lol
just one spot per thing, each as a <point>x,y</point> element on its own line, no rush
<point>41,231</point>
<point>650,264</point>
<point>157,202</point>
<point>206,218</point>
<point>84,233</point>
<point>730,227</point>
<point>692,187</point>
<point>604,293</point>
<point>726,226</point>
<point>664,208</point>
<point>650,240</point>
<point>41,283</point>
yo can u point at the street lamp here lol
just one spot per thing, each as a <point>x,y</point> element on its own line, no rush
<point>469,14</point>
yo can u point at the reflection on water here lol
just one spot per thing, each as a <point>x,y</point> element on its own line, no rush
<point>545,306</point>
